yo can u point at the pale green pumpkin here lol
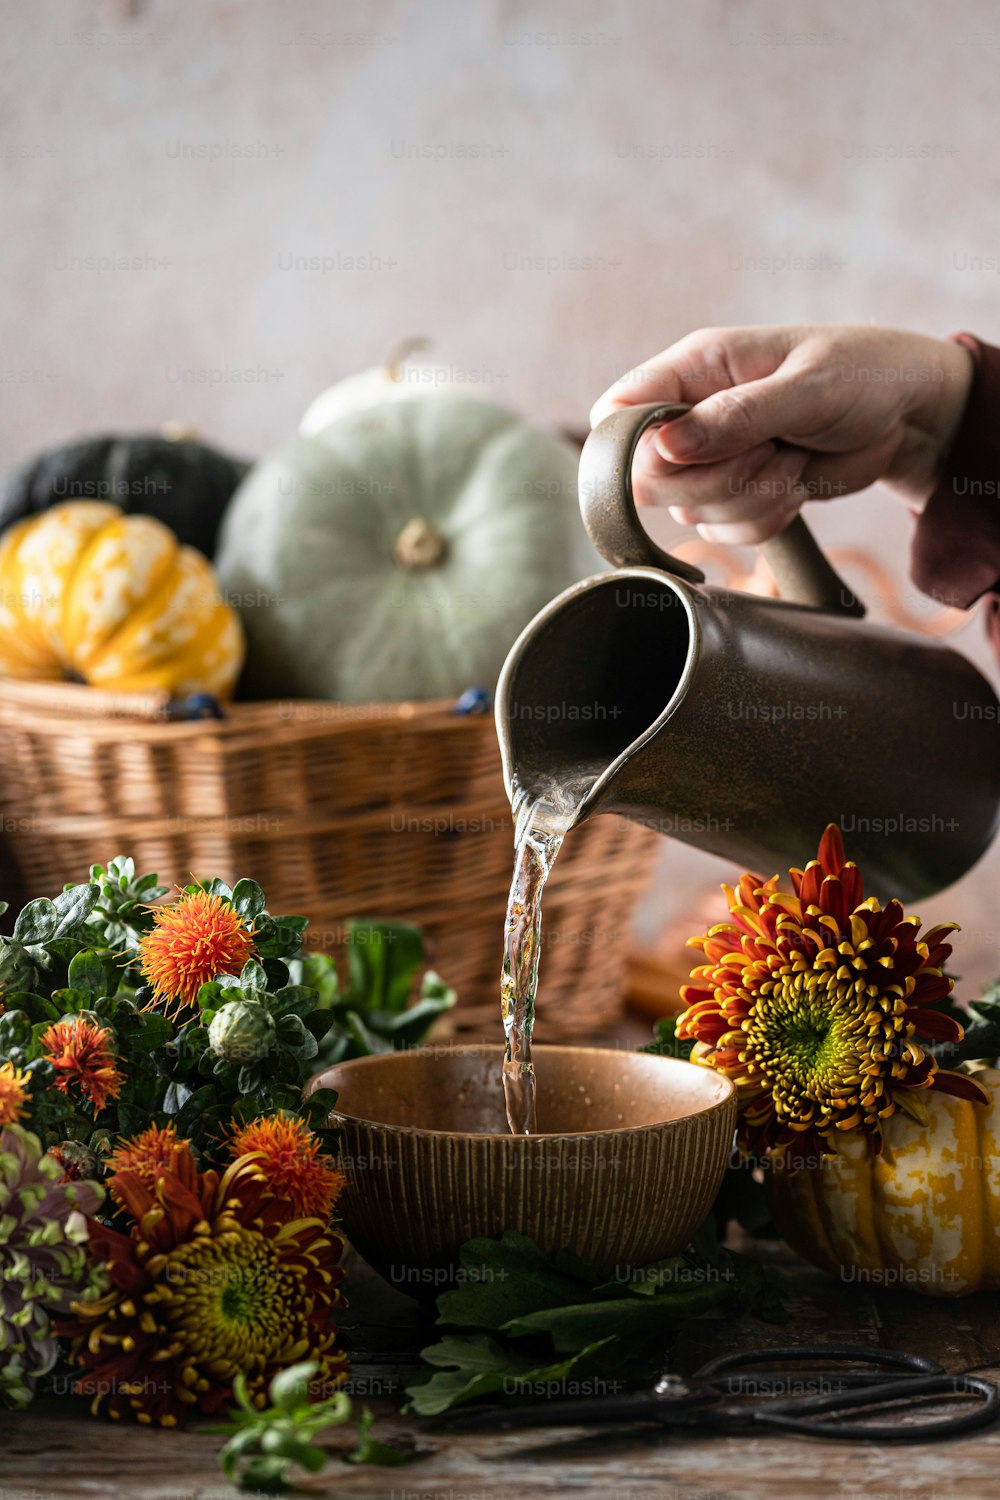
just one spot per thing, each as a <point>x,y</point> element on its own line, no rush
<point>398,552</point>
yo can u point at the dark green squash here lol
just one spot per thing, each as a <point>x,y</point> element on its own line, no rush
<point>182,482</point>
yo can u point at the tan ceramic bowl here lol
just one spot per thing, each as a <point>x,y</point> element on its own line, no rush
<point>629,1157</point>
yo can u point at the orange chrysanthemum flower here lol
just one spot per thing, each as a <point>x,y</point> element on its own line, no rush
<point>83,1056</point>
<point>14,1093</point>
<point>289,1155</point>
<point>193,940</point>
<point>151,1154</point>
<point>812,1002</point>
<point>211,1280</point>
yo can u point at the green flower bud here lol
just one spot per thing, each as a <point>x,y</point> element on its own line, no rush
<point>242,1032</point>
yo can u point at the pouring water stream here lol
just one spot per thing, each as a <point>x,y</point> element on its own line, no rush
<point>540,825</point>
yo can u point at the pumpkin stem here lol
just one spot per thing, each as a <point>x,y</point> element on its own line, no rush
<point>401,352</point>
<point>176,431</point>
<point>418,546</point>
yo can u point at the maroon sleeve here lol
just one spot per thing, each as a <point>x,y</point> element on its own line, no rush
<point>955,556</point>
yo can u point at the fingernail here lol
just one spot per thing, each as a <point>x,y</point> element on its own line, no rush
<point>681,439</point>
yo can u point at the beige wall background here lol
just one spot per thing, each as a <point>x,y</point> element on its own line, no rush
<point>214,210</point>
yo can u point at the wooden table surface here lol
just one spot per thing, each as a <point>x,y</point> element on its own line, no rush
<point>56,1452</point>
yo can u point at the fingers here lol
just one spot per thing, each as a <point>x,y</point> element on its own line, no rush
<point>742,500</point>
<point>706,361</point>
<point>775,495</point>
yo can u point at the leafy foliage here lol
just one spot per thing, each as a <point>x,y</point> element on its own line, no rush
<point>981,1042</point>
<point>77,954</point>
<point>668,1043</point>
<point>264,1446</point>
<point>526,1323</point>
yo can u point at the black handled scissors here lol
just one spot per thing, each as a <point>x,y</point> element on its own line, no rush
<point>740,1393</point>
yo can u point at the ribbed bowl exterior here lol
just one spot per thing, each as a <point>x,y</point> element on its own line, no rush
<point>620,1197</point>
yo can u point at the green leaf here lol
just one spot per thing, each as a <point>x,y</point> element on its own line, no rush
<point>318,971</point>
<point>265,1475</point>
<point>761,1292</point>
<point>248,899</point>
<point>292,999</point>
<point>319,1105</point>
<point>16,1029</point>
<point>470,1367</point>
<point>153,1031</point>
<point>194,1106</point>
<point>176,1094</point>
<point>242,1394</point>
<point>252,977</point>
<point>382,961</point>
<point>573,1328</point>
<point>87,972</point>
<point>213,994</point>
<point>36,1007</point>
<point>17,971</point>
<point>505,1279</point>
<point>131,1119</point>
<point>291,1033</point>
<point>73,906</point>
<point>293,1449</point>
<point>406,1028</point>
<point>73,1002</point>
<point>668,1043</point>
<point>369,1451</point>
<point>981,1042</point>
<point>279,937</point>
<point>37,922</point>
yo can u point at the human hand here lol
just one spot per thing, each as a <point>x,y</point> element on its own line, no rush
<point>788,413</point>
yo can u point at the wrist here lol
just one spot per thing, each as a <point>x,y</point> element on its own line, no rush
<point>938,407</point>
<point>934,410</point>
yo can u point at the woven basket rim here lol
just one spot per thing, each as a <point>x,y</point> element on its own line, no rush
<point>314,821</point>
<point>96,712</point>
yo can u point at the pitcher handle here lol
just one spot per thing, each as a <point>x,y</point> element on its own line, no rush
<point>801,571</point>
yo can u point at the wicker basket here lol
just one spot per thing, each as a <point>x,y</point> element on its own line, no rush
<point>378,810</point>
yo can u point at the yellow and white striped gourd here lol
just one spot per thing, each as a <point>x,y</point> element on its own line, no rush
<point>924,1216</point>
<point>89,594</point>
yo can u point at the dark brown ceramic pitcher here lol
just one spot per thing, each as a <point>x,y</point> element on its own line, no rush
<point>740,724</point>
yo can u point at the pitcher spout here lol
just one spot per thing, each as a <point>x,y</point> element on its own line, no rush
<point>588,683</point>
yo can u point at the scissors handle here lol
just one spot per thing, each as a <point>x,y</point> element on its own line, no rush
<point>801,1414</point>
<point>827,1354</point>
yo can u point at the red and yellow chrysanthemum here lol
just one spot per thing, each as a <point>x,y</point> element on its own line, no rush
<point>212,1279</point>
<point>14,1094</point>
<point>193,940</point>
<point>290,1157</point>
<point>813,1001</point>
<point>83,1056</point>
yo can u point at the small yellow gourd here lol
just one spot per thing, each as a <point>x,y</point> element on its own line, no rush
<point>89,594</point>
<point>924,1216</point>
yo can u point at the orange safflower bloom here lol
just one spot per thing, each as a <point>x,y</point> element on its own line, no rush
<point>289,1155</point>
<point>83,1056</point>
<point>150,1154</point>
<point>193,940</point>
<point>14,1094</point>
